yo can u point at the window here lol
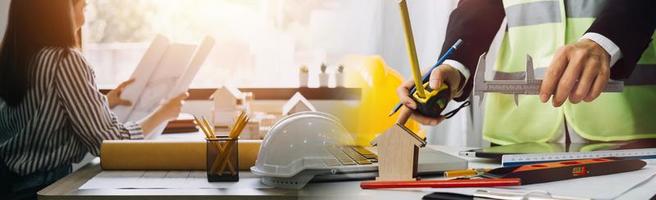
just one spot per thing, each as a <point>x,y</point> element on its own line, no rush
<point>260,43</point>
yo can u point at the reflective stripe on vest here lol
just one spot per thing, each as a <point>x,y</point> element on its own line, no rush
<point>538,28</point>
<point>584,8</point>
<point>540,12</point>
<point>533,13</point>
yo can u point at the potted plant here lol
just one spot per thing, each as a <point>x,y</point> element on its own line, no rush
<point>323,76</point>
<point>303,75</point>
<point>339,76</point>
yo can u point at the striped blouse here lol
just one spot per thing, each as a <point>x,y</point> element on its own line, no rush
<point>62,117</point>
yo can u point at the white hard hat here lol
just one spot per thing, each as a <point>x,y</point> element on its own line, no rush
<point>297,143</point>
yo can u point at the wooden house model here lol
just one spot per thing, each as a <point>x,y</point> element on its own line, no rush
<point>398,150</point>
<point>227,104</point>
<point>298,103</point>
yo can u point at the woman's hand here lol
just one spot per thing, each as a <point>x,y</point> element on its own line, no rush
<point>578,71</point>
<point>114,96</point>
<point>166,111</point>
<point>440,75</point>
<point>171,109</point>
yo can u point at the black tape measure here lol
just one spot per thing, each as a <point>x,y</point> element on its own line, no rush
<point>435,102</point>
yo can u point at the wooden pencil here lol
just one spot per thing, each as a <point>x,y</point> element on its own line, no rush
<point>222,160</point>
<point>234,135</point>
<point>209,133</point>
<point>202,127</point>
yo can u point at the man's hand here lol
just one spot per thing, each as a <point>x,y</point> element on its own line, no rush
<point>578,71</point>
<point>114,96</point>
<point>440,75</point>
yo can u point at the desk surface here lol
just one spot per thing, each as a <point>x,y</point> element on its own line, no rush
<point>67,188</point>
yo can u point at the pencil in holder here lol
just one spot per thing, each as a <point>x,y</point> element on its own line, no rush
<point>222,160</point>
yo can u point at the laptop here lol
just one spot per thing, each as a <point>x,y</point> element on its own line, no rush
<point>359,163</point>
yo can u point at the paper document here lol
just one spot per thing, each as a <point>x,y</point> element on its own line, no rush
<point>165,71</point>
<point>597,187</point>
<point>163,180</point>
<point>642,191</point>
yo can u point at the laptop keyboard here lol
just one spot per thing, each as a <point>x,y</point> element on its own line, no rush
<point>350,155</point>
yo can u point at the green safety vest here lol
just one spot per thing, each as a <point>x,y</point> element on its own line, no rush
<point>538,28</point>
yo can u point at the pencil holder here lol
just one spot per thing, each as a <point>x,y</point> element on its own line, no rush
<point>222,160</point>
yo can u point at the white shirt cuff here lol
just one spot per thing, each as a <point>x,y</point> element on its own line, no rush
<point>462,69</point>
<point>611,48</point>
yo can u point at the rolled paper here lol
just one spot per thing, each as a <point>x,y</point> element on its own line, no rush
<point>167,155</point>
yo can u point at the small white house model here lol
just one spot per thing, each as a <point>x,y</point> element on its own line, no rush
<point>398,151</point>
<point>227,104</point>
<point>298,103</point>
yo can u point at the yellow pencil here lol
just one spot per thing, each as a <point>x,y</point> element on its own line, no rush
<point>234,134</point>
<point>209,127</point>
<point>222,158</point>
<point>465,172</point>
<point>202,128</point>
<point>209,133</point>
<point>412,52</point>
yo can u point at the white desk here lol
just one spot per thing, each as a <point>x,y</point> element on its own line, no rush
<point>67,188</point>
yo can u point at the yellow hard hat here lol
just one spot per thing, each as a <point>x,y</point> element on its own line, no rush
<point>378,82</point>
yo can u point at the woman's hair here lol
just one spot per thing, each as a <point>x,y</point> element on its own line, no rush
<point>33,25</point>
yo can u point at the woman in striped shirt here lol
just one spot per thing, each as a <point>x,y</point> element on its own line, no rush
<point>51,112</point>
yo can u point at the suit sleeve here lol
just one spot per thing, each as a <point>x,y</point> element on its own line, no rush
<point>630,25</point>
<point>476,22</point>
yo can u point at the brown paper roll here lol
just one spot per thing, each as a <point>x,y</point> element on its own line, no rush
<point>167,155</point>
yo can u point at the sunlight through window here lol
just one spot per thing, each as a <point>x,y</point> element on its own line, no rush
<point>259,43</point>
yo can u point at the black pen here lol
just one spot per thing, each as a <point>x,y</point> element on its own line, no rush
<point>447,196</point>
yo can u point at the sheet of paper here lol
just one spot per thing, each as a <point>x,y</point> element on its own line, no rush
<point>194,66</point>
<point>172,66</point>
<point>170,69</point>
<point>141,75</point>
<point>163,180</point>
<point>642,191</point>
<point>165,71</point>
<point>598,187</point>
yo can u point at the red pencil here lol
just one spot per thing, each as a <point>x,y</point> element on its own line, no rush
<point>441,183</point>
